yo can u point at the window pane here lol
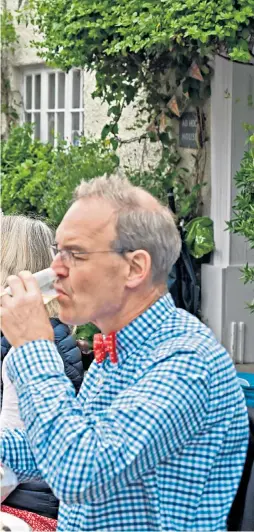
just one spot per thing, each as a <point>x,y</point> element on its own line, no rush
<point>75,129</point>
<point>60,125</point>
<point>82,94</point>
<point>28,117</point>
<point>76,89</point>
<point>28,92</point>
<point>51,127</point>
<point>75,121</point>
<point>38,91</point>
<point>37,129</point>
<point>75,138</point>
<point>81,127</point>
<point>61,90</point>
<point>51,91</point>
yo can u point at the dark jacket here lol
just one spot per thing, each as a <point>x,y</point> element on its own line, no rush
<point>241,515</point>
<point>36,496</point>
<point>70,353</point>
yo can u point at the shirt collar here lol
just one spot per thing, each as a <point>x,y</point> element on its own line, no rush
<point>136,333</point>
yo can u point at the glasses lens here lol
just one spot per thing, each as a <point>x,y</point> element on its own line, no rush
<point>53,251</point>
<point>66,256</point>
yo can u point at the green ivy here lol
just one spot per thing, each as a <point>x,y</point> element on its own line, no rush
<point>8,32</point>
<point>168,175</point>
<point>131,43</point>
<point>80,33</point>
<point>9,40</point>
<point>243,208</point>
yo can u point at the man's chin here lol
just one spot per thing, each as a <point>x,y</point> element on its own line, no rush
<point>70,319</point>
<point>65,317</point>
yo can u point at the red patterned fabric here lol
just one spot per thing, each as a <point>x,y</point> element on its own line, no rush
<point>102,346</point>
<point>35,521</point>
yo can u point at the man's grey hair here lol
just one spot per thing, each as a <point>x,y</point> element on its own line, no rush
<point>140,224</point>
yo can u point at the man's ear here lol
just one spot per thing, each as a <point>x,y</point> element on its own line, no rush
<point>139,267</point>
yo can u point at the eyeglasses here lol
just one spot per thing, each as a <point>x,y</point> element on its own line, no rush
<point>70,257</point>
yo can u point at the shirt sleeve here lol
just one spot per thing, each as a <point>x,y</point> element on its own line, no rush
<point>86,457</point>
<point>10,415</point>
<point>17,455</point>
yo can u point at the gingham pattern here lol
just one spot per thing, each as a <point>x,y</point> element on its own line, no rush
<point>155,442</point>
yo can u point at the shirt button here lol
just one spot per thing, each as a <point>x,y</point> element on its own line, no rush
<point>99,381</point>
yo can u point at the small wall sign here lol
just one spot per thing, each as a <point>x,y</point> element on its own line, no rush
<point>188,130</point>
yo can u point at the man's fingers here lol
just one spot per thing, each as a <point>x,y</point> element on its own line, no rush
<point>22,285</point>
<point>29,282</point>
<point>24,317</point>
<point>5,301</point>
<point>16,285</point>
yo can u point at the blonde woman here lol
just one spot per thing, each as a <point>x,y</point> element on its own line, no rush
<point>25,245</point>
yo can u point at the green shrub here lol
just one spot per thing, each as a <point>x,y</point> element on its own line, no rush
<point>243,208</point>
<point>88,160</point>
<point>38,179</point>
<point>25,164</point>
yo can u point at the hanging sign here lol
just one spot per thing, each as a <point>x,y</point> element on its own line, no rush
<point>188,130</point>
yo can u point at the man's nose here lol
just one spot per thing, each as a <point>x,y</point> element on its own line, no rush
<point>58,266</point>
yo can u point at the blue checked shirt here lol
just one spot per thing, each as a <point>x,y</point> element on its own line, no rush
<point>156,442</point>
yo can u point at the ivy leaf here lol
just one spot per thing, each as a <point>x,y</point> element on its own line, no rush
<point>114,110</point>
<point>105,131</point>
<point>130,94</point>
<point>114,129</point>
<point>166,139</point>
<point>114,143</point>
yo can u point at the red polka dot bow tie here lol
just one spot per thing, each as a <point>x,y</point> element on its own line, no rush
<point>103,345</point>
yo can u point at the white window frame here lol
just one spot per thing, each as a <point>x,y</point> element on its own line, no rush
<point>44,110</point>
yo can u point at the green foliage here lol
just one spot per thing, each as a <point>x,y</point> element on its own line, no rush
<point>159,179</point>
<point>90,159</point>
<point>38,179</point>
<point>9,40</point>
<point>199,237</point>
<point>25,164</point>
<point>81,33</point>
<point>243,208</point>
<point>167,175</point>
<point>87,332</point>
<point>8,32</point>
<point>131,44</point>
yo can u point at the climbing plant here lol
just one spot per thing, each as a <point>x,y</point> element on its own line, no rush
<point>9,40</point>
<point>131,44</point>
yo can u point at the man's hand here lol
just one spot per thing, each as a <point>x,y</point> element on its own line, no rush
<point>23,315</point>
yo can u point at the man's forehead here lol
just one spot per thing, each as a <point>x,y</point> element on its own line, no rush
<point>88,217</point>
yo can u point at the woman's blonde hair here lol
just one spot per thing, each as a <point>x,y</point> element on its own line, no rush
<point>25,245</point>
